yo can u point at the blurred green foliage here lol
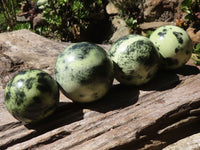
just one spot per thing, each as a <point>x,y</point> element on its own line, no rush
<point>66,18</point>
<point>196,54</point>
<point>3,26</point>
<point>8,11</point>
<point>131,11</point>
<point>192,8</point>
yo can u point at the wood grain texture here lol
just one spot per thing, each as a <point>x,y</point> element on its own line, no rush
<point>151,116</point>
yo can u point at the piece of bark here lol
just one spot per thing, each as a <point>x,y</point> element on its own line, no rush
<point>153,25</point>
<point>151,116</point>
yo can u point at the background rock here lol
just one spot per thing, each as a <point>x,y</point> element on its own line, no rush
<point>153,25</point>
<point>120,29</point>
<point>160,10</point>
<point>194,34</point>
<point>120,32</point>
<point>111,9</point>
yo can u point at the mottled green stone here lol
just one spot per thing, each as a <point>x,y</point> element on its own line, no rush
<point>174,45</point>
<point>31,95</point>
<point>84,72</point>
<point>136,59</point>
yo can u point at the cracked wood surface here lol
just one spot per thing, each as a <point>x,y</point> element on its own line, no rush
<point>151,116</point>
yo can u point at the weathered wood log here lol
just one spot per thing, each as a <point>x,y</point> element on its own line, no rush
<point>151,116</point>
<point>191,142</point>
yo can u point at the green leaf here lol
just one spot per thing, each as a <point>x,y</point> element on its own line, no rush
<point>99,2</point>
<point>131,22</point>
<point>188,17</point>
<point>198,47</point>
<point>186,4</point>
<point>196,50</point>
<point>77,5</point>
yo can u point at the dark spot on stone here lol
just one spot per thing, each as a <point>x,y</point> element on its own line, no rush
<point>66,67</point>
<point>11,83</point>
<point>41,75</point>
<point>171,61</point>
<point>62,54</point>
<point>124,38</point>
<point>178,35</point>
<point>44,88</point>
<point>81,57</point>
<point>130,48</point>
<point>162,34</point>
<point>176,50</point>
<point>7,97</point>
<point>101,70</point>
<point>147,53</point>
<point>37,99</point>
<point>20,97</point>
<point>141,59</point>
<point>79,45</point>
<point>22,73</point>
<point>82,79</point>
<point>94,73</point>
<point>29,83</point>
<point>56,71</point>
<point>164,30</point>
<point>81,50</point>
<point>84,51</point>
<point>42,80</point>
<point>111,53</point>
<point>120,41</point>
<point>44,83</point>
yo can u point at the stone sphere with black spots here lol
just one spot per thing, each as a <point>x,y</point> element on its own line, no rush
<point>84,72</point>
<point>174,45</point>
<point>31,95</point>
<point>135,58</point>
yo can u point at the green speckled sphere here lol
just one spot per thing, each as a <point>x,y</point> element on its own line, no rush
<point>84,71</point>
<point>136,59</point>
<point>174,45</point>
<point>31,95</point>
